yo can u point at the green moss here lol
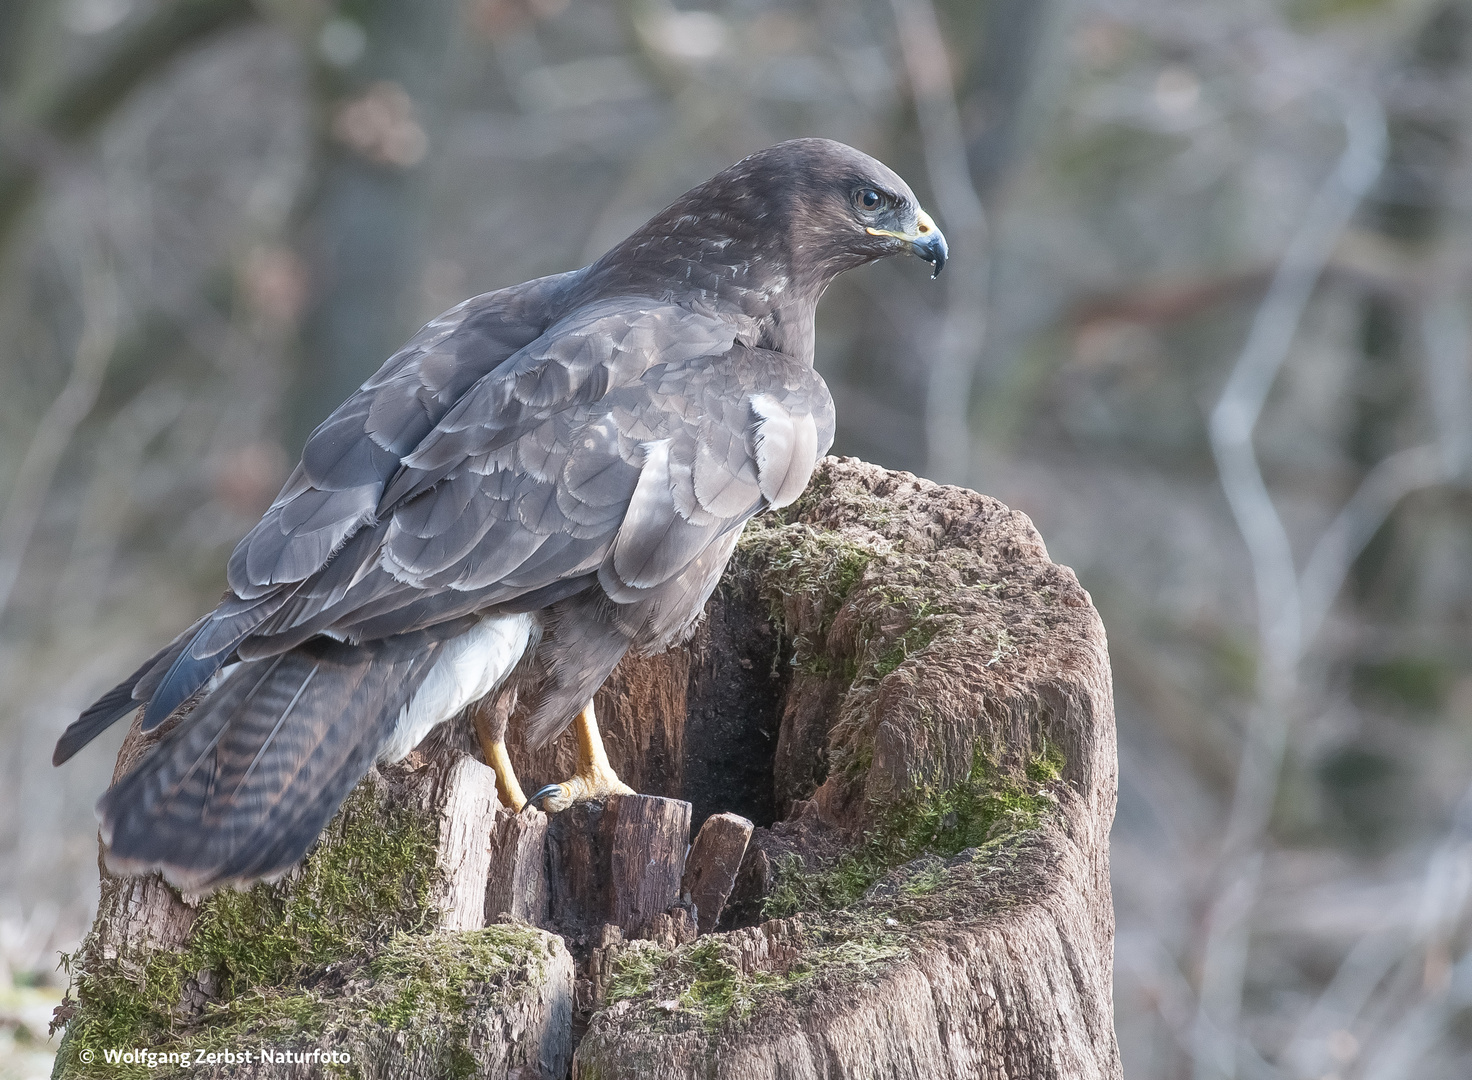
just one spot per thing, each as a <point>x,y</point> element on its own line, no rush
<point>809,573</point>
<point>265,948</point>
<point>802,562</point>
<point>716,989</point>
<point>703,983</point>
<point>636,971</point>
<point>413,983</point>
<point>914,639</point>
<point>988,808</point>
<point>429,976</point>
<point>926,881</point>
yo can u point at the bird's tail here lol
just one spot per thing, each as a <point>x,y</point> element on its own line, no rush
<point>242,787</point>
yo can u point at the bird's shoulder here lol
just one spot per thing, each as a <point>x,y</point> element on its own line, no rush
<point>497,380</point>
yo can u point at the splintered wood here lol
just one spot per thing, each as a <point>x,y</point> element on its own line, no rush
<point>710,870</point>
<point>517,885</point>
<point>616,863</point>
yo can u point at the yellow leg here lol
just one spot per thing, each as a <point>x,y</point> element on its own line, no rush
<point>594,779</point>
<point>507,786</point>
<point>493,745</point>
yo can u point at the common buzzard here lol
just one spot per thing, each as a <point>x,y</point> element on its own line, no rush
<point>543,478</point>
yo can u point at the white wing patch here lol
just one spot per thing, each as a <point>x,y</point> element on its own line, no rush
<point>725,488</point>
<point>786,449</point>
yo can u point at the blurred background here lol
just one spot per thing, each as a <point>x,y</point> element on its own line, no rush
<point>1208,322</point>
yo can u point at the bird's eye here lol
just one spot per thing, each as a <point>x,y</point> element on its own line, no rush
<point>869,199</point>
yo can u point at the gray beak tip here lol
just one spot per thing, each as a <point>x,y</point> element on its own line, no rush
<point>933,249</point>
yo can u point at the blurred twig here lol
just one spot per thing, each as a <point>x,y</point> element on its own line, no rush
<point>1279,611</point>
<point>100,313</point>
<point>1447,340</point>
<point>1445,891</point>
<point>1447,884</point>
<point>958,348</point>
<point>1356,524</point>
<point>80,105</point>
<point>82,583</point>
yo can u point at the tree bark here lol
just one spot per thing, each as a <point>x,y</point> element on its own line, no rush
<point>616,863</point>
<point>517,886</point>
<point>913,706</point>
<point>710,869</point>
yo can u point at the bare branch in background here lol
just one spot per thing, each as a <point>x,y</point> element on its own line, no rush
<point>1344,999</point>
<point>958,350</point>
<point>1280,619</point>
<point>1447,340</point>
<point>82,583</point>
<point>1446,886</point>
<point>78,106</point>
<point>1445,891</point>
<point>1368,508</point>
<point>100,315</point>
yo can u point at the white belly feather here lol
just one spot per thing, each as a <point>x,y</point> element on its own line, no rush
<point>470,667</point>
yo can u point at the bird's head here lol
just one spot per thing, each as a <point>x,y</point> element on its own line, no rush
<point>785,220</point>
<point>843,208</point>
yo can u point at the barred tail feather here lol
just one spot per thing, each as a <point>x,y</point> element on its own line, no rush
<point>240,790</point>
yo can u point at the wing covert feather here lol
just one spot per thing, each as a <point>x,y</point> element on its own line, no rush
<point>625,444</point>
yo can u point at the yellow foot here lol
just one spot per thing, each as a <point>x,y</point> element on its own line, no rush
<point>599,785</point>
<point>595,778</point>
<point>490,718</point>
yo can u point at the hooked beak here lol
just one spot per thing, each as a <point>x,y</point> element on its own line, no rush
<point>928,242</point>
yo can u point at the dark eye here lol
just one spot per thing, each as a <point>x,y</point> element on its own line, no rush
<point>870,199</point>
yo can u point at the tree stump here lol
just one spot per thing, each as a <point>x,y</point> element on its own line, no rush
<point>909,703</point>
<point>616,863</point>
<point>714,860</point>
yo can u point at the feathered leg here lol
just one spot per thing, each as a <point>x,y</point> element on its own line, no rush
<point>594,779</point>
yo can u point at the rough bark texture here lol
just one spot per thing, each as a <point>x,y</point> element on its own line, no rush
<point>710,869</point>
<point>900,690</point>
<point>616,863</point>
<point>518,879</point>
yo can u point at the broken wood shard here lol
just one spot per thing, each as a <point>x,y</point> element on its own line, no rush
<point>463,799</point>
<point>618,862</point>
<point>517,885</point>
<point>710,869</point>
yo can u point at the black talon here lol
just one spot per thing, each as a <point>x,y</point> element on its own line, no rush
<point>542,794</point>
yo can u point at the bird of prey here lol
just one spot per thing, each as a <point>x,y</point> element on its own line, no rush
<point>543,478</point>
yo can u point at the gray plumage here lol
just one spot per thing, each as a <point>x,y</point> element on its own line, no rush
<point>585,447</point>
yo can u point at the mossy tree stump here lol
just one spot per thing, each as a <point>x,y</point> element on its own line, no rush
<point>901,691</point>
